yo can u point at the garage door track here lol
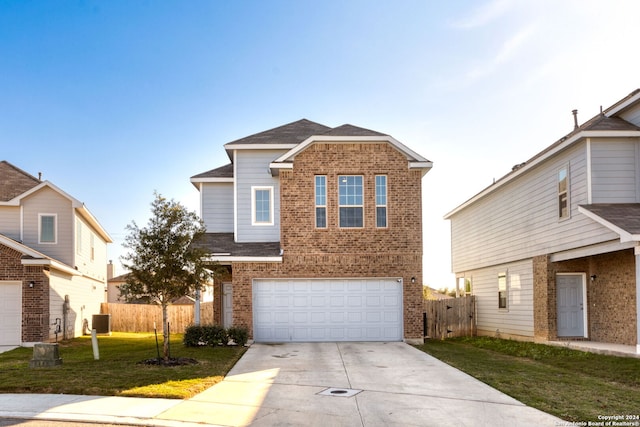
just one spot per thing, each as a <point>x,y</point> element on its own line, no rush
<point>352,384</point>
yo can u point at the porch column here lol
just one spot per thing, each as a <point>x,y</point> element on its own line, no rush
<point>637,254</point>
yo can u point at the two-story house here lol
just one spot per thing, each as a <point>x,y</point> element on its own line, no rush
<point>552,249</point>
<point>321,231</point>
<point>53,262</point>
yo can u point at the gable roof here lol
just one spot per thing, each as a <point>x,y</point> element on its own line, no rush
<point>28,185</point>
<point>603,124</point>
<point>622,218</point>
<point>296,136</point>
<point>14,181</point>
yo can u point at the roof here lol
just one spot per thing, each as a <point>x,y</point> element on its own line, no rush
<point>622,218</point>
<point>223,246</point>
<point>291,133</point>
<point>14,181</point>
<point>602,125</point>
<point>118,279</point>
<point>298,135</point>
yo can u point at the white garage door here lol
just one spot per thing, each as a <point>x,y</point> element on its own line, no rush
<point>327,310</point>
<point>10,313</point>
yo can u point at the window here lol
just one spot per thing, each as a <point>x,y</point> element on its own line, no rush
<point>93,246</point>
<point>47,232</point>
<point>381,201</point>
<point>464,285</point>
<point>350,200</point>
<point>262,206</point>
<point>321,201</point>
<point>503,294</point>
<point>563,193</point>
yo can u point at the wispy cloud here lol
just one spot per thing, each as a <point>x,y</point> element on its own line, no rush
<point>484,14</point>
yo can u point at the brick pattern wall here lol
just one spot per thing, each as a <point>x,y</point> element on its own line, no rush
<point>395,251</point>
<point>611,297</point>
<point>35,301</point>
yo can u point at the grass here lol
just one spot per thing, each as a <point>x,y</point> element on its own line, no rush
<point>573,385</point>
<point>117,372</point>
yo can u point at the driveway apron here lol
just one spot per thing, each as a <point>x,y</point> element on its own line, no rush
<point>352,384</point>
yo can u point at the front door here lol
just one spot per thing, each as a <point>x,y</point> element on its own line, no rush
<point>227,305</point>
<point>571,305</point>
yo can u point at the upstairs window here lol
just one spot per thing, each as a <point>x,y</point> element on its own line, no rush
<point>503,292</point>
<point>321,201</point>
<point>563,193</point>
<point>350,201</point>
<point>381,201</point>
<point>78,236</point>
<point>92,243</point>
<point>47,232</point>
<point>262,206</point>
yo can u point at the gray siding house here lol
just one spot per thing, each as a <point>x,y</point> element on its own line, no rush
<point>552,249</point>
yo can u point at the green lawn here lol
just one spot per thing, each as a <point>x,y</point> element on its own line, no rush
<point>118,372</point>
<point>573,385</point>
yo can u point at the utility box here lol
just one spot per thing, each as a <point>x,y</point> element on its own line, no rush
<point>101,323</point>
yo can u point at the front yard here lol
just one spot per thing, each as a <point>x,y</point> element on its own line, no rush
<point>118,372</point>
<point>573,385</point>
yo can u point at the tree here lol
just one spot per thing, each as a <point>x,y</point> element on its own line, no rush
<point>163,262</point>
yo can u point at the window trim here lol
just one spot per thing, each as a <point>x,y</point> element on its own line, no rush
<point>386,201</point>
<point>320,206</point>
<point>254,221</point>
<point>505,276</point>
<point>55,229</point>
<point>340,205</point>
<point>566,192</point>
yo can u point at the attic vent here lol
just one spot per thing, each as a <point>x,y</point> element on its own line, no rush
<point>575,119</point>
<point>518,166</point>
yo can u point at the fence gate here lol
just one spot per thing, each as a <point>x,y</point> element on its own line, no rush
<point>448,318</point>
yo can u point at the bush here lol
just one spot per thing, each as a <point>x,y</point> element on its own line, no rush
<point>214,335</point>
<point>238,334</point>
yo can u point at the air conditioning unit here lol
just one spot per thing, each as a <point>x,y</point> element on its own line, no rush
<point>101,323</point>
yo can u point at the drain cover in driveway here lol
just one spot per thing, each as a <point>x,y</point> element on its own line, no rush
<point>340,392</point>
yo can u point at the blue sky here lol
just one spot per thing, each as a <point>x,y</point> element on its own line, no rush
<point>112,100</point>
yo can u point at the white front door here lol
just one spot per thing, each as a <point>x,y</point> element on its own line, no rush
<point>306,310</point>
<point>571,305</point>
<point>227,305</point>
<point>10,313</point>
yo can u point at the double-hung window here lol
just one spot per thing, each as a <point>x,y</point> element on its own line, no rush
<point>563,193</point>
<point>78,236</point>
<point>262,205</point>
<point>381,201</point>
<point>321,201</point>
<point>503,291</point>
<point>350,201</point>
<point>47,232</point>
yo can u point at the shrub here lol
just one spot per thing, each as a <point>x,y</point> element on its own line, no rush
<point>239,334</point>
<point>214,335</point>
<point>193,336</point>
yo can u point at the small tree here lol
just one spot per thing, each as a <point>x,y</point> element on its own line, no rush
<point>163,263</point>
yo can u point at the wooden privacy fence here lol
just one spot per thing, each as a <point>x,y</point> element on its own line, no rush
<point>447,318</point>
<point>140,317</point>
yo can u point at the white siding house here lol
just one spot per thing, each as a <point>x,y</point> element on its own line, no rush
<point>562,223</point>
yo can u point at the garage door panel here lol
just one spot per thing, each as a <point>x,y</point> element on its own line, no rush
<point>328,310</point>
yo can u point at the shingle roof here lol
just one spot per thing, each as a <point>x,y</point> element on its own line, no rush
<point>225,171</point>
<point>223,243</point>
<point>292,133</point>
<point>625,216</point>
<point>350,130</point>
<point>14,181</point>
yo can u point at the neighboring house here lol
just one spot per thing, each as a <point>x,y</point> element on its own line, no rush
<point>321,231</point>
<point>52,260</point>
<point>552,249</point>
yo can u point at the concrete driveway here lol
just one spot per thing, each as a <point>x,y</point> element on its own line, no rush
<point>351,384</point>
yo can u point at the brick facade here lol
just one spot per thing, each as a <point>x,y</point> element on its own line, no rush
<point>35,300</point>
<point>611,297</point>
<point>309,252</point>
